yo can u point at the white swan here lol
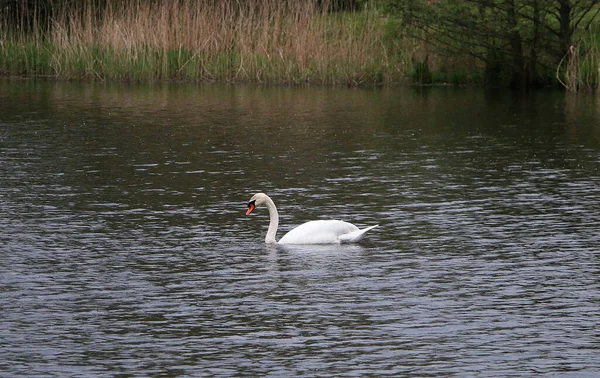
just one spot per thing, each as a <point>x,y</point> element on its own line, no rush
<point>313,232</point>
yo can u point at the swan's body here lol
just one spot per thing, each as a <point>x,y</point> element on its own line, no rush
<point>313,232</point>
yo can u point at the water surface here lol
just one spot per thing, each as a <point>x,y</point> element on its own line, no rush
<point>125,250</point>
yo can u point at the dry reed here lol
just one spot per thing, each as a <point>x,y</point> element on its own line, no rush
<point>581,71</point>
<point>260,40</point>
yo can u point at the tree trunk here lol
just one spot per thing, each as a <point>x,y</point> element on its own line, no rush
<point>532,63</point>
<point>565,30</point>
<point>518,79</point>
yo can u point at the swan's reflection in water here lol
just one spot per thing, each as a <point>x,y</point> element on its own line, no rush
<point>305,259</point>
<point>318,251</point>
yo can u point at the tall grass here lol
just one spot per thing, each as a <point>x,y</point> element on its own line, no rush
<point>260,40</point>
<point>579,70</point>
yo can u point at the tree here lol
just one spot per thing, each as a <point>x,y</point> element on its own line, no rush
<point>521,37</point>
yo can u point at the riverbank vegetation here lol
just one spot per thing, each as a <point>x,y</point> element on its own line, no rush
<point>139,40</point>
<point>520,43</point>
<point>517,43</point>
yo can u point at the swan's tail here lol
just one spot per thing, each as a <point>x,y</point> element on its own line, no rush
<point>355,236</point>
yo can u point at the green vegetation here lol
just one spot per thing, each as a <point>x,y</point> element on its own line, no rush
<point>516,43</point>
<point>269,41</point>
<point>520,43</point>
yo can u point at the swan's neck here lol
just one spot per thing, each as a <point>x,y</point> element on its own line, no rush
<point>274,222</point>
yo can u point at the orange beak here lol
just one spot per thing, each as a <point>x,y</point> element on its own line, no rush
<point>251,207</point>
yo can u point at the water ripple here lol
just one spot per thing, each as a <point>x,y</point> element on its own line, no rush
<point>125,249</point>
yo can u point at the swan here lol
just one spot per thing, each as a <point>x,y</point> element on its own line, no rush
<point>313,232</point>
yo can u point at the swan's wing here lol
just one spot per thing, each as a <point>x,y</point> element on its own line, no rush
<point>325,232</point>
<point>355,236</point>
<point>319,232</point>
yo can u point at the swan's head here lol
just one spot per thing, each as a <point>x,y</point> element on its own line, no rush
<point>257,200</point>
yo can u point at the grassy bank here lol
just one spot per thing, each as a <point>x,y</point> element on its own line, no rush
<point>275,41</point>
<point>259,41</point>
<point>579,70</point>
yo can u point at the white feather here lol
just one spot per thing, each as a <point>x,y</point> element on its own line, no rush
<point>313,232</point>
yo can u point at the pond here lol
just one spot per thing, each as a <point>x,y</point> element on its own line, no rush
<point>125,248</point>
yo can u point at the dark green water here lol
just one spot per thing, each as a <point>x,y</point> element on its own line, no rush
<point>125,249</point>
